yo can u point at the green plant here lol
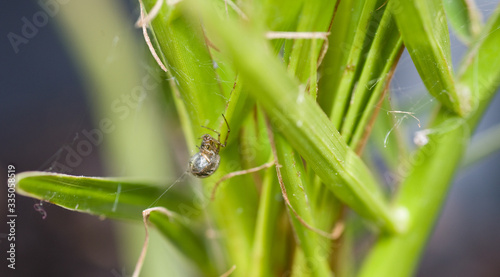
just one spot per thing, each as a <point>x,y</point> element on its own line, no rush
<point>312,116</point>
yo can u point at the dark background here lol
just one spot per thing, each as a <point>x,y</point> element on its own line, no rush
<point>43,104</point>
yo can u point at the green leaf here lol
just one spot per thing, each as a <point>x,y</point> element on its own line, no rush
<point>425,34</point>
<point>266,230</point>
<point>479,73</point>
<point>483,145</point>
<point>350,42</point>
<point>464,17</point>
<point>234,209</point>
<point>204,80</point>
<point>191,244</point>
<point>373,80</point>
<point>296,115</point>
<point>121,200</point>
<point>98,196</point>
<point>422,194</point>
<point>295,182</point>
<point>122,93</point>
<point>278,15</point>
<point>424,189</point>
<point>188,59</point>
<point>315,16</point>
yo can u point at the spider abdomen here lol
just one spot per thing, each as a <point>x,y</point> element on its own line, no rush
<point>204,164</point>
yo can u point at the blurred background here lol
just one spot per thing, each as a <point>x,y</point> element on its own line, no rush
<point>69,68</point>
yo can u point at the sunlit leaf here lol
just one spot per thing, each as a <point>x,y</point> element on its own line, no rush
<point>307,128</point>
<point>425,34</point>
<point>427,181</point>
<point>464,17</point>
<point>98,196</point>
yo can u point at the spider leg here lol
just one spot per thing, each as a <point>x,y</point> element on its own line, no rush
<point>211,130</point>
<point>228,131</point>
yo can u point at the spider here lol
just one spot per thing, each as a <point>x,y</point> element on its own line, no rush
<point>206,162</point>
